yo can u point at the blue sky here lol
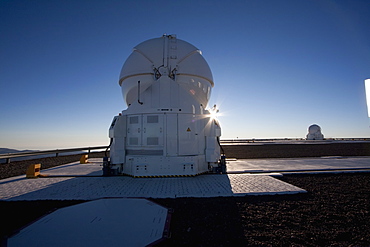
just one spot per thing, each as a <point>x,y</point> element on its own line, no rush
<point>278,66</point>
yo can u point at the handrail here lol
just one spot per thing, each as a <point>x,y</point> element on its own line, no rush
<point>366,139</point>
<point>8,156</point>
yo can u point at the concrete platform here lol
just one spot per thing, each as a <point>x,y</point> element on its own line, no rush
<point>105,222</point>
<point>84,182</point>
<point>117,207</point>
<point>315,165</point>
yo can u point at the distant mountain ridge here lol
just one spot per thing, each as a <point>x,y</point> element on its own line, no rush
<point>9,150</point>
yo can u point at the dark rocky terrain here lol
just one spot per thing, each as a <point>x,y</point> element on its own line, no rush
<point>258,151</point>
<point>334,212</point>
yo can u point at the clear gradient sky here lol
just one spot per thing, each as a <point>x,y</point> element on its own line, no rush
<point>278,66</point>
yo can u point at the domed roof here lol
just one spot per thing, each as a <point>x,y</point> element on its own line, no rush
<point>314,128</point>
<point>166,55</point>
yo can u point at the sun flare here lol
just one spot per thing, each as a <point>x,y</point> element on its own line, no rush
<point>214,112</point>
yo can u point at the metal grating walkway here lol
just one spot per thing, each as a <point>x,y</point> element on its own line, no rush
<point>84,182</point>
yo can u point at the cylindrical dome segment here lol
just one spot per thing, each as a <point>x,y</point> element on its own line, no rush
<point>170,57</point>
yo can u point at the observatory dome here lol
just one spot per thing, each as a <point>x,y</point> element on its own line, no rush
<point>314,133</point>
<point>169,57</point>
<point>167,128</point>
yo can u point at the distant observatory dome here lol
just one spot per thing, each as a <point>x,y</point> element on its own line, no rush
<point>314,133</point>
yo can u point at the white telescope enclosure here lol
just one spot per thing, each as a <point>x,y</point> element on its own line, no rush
<point>314,133</point>
<point>166,129</point>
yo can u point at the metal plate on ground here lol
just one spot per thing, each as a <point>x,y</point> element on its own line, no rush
<point>90,188</point>
<point>104,222</point>
<point>298,164</point>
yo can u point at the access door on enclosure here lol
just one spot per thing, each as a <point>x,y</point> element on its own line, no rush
<point>145,130</point>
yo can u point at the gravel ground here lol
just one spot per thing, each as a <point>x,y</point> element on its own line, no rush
<point>257,150</point>
<point>334,212</point>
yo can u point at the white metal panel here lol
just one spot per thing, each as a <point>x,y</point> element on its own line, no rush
<point>155,91</point>
<point>175,95</point>
<point>117,132</point>
<point>212,149</point>
<point>188,136</point>
<point>165,89</point>
<point>134,129</point>
<point>130,87</point>
<point>118,127</point>
<point>197,88</point>
<point>167,166</point>
<point>136,64</point>
<point>152,130</point>
<point>202,126</point>
<point>171,135</point>
<point>118,151</point>
<point>195,64</point>
<point>111,128</point>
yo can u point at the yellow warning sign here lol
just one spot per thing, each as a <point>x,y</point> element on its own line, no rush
<point>188,130</point>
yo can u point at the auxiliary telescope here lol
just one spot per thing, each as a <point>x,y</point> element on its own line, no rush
<point>166,129</point>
